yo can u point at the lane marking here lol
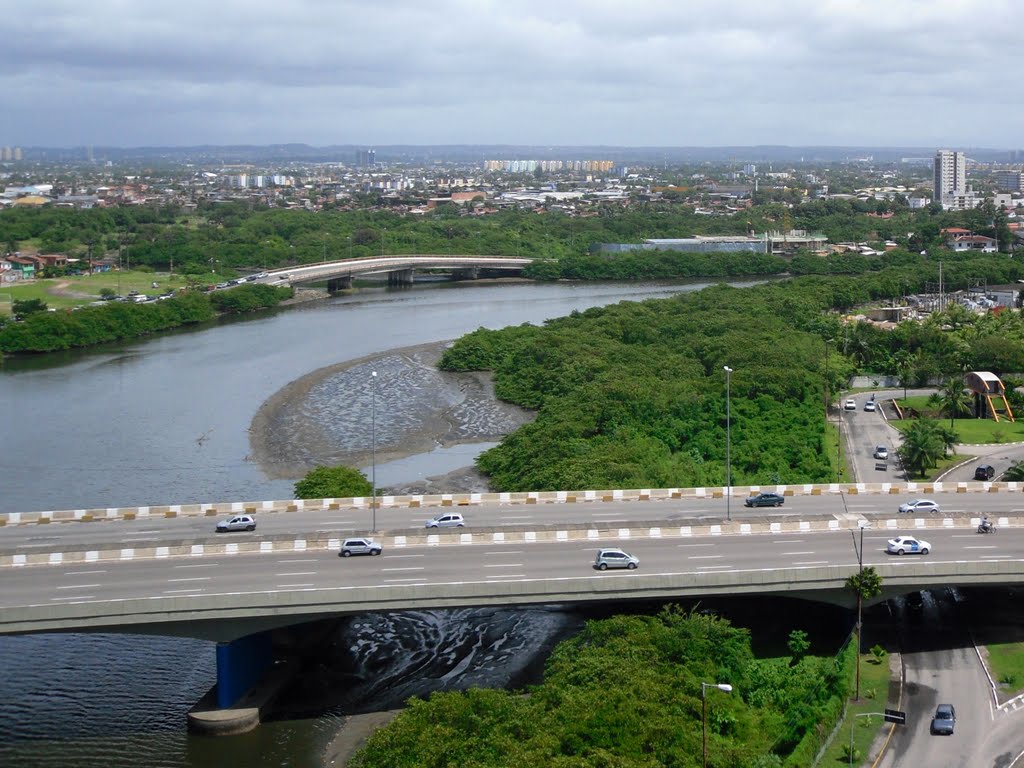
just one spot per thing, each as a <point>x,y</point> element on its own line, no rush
<point>197,565</point>
<point>297,573</point>
<point>399,557</point>
<point>80,586</point>
<point>716,567</point>
<point>79,597</point>
<point>517,517</point>
<point>685,546</point>
<point>993,546</point>
<point>406,581</point>
<point>705,557</point>
<point>142,532</point>
<point>788,541</point>
<point>295,586</point>
<point>417,568</point>
<point>508,576</point>
<point>190,590</point>
<point>810,562</point>
<point>504,565</point>
<point>82,573</point>
<point>191,578</point>
<point>808,552</point>
<point>292,562</point>
<point>506,552</point>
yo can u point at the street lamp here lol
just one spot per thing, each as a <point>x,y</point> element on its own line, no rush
<point>704,711</point>
<point>728,443</point>
<point>373,448</point>
<point>862,524</point>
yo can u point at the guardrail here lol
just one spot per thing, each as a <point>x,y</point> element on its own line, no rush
<point>214,509</point>
<point>536,534</point>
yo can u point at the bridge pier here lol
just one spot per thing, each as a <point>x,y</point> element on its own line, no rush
<point>336,284</point>
<point>400,277</point>
<point>470,273</point>
<point>243,687</point>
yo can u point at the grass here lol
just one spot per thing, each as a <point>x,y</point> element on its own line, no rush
<point>979,431</point>
<point>874,692</point>
<point>1006,662</point>
<point>91,285</point>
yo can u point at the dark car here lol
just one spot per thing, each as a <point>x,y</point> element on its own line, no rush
<point>984,472</point>
<point>944,720</point>
<point>764,500</point>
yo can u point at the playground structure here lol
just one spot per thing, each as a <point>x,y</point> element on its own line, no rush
<point>985,386</point>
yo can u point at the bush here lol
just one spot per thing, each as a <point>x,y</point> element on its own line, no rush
<point>333,483</point>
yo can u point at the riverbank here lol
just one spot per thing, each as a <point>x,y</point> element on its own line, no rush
<point>337,414</point>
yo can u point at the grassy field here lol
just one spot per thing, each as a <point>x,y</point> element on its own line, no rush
<point>1006,662</point>
<point>874,691</point>
<point>85,289</point>
<point>979,431</point>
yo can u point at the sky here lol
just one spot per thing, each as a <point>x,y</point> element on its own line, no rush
<point>132,73</point>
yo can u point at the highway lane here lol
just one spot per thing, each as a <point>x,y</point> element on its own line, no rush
<point>461,564</point>
<point>55,536</point>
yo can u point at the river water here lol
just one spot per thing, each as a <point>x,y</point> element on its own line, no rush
<point>165,420</point>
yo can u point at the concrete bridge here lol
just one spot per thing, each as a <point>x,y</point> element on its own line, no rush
<point>399,269</point>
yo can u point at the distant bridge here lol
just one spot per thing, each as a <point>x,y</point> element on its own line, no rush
<point>399,269</point>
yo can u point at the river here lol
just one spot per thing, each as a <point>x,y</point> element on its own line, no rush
<point>164,420</point>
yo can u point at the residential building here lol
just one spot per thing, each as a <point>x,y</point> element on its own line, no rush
<point>950,174</point>
<point>1011,181</point>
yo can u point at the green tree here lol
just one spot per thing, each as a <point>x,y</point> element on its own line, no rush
<point>333,483</point>
<point>924,443</point>
<point>26,307</point>
<point>798,644</point>
<point>866,584</point>
<point>1015,473</point>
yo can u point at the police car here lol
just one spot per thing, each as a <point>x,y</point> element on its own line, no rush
<point>907,545</point>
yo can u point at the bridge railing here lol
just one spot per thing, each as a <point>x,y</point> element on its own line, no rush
<point>214,509</point>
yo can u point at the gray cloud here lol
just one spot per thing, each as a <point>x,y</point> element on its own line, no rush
<point>658,72</point>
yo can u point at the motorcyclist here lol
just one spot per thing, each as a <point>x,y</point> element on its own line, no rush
<point>985,524</point>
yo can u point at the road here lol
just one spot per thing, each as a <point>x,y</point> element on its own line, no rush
<point>943,667</point>
<point>483,563</point>
<point>864,430</point>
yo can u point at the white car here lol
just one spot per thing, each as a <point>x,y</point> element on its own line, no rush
<point>362,546</point>
<point>907,544</point>
<point>919,505</point>
<point>881,452</point>
<point>851,405</point>
<point>869,405</point>
<point>445,521</point>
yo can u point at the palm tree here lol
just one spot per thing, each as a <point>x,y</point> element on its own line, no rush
<point>924,443</point>
<point>955,401</point>
<point>1015,473</point>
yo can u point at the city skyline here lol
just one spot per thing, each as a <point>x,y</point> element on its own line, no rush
<point>579,72</point>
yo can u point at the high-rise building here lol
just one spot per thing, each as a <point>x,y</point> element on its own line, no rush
<point>366,158</point>
<point>950,174</point>
<point>1012,181</point>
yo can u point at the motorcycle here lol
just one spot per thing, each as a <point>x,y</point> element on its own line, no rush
<point>986,528</point>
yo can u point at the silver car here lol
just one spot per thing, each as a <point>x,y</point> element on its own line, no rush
<point>615,558</point>
<point>363,546</point>
<point>944,720</point>
<point>451,520</point>
<point>237,523</point>
<point>919,505</point>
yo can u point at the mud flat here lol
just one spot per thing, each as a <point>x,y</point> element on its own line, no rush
<point>326,417</point>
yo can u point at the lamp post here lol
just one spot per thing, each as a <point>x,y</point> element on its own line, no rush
<point>860,597</point>
<point>728,443</point>
<point>373,449</point>
<point>704,713</point>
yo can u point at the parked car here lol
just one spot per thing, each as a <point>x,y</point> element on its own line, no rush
<point>919,505</point>
<point>615,558</point>
<point>364,546</point>
<point>869,405</point>
<point>907,545</point>
<point>451,520</point>
<point>881,452</point>
<point>237,523</point>
<point>944,720</point>
<point>765,500</point>
<point>984,472</point>
<point>851,405</point>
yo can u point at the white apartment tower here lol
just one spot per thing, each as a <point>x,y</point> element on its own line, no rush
<point>950,174</point>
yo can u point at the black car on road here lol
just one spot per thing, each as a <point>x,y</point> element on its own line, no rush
<point>764,500</point>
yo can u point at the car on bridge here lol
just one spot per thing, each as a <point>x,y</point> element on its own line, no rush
<point>944,720</point>
<point>919,505</point>
<point>615,558</point>
<point>765,500</point>
<point>907,545</point>
<point>362,546</point>
<point>237,523</point>
<point>451,520</point>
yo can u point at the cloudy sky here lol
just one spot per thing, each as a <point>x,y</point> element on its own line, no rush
<point>566,72</point>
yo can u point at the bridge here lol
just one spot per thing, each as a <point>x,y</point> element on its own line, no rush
<point>399,269</point>
<point>179,578</point>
